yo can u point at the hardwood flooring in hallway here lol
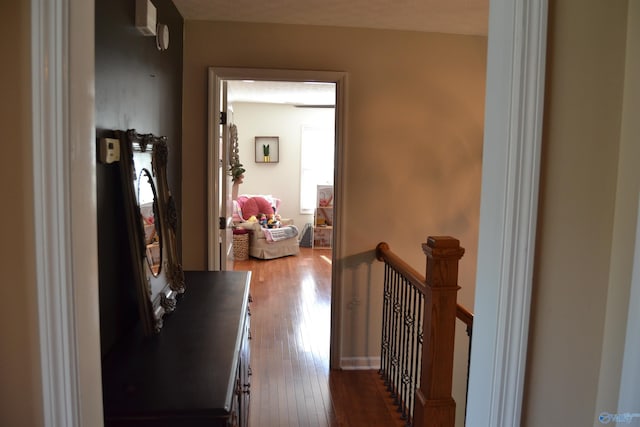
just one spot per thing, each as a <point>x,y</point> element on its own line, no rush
<point>291,384</point>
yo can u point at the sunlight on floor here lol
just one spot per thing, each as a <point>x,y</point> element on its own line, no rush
<point>313,328</point>
<point>325,258</point>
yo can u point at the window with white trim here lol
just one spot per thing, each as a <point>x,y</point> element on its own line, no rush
<point>316,151</point>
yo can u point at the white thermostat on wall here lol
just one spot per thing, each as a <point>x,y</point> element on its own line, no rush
<point>109,150</point>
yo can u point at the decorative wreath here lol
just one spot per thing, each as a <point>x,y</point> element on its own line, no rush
<point>235,167</point>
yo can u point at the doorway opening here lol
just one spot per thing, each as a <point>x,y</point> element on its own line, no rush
<point>296,122</point>
<point>301,113</point>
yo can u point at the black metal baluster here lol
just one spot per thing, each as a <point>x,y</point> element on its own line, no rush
<point>384,357</point>
<point>392,278</point>
<point>389,367</point>
<point>411,373</point>
<point>405,346</point>
<point>394,329</point>
<point>400,333</point>
<point>400,348</point>
<point>419,340</point>
<point>466,393</point>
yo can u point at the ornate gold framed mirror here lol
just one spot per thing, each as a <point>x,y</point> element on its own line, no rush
<point>152,225</point>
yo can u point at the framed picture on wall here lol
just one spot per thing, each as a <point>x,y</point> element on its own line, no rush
<point>267,149</point>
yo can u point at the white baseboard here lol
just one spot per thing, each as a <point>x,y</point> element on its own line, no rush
<point>360,363</point>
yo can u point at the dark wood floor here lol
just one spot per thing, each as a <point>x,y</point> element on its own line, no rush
<point>292,384</point>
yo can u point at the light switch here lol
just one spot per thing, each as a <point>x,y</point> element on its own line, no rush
<point>109,150</point>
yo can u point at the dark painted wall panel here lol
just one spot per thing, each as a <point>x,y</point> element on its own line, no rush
<point>137,87</point>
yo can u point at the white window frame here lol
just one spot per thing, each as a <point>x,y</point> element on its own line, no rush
<point>307,163</point>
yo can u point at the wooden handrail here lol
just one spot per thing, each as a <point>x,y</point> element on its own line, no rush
<point>464,315</point>
<point>383,253</point>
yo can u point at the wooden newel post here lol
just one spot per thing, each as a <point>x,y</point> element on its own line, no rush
<point>434,405</point>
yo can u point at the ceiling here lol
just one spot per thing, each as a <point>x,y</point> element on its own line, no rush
<point>442,16</point>
<point>469,17</point>
<point>294,93</point>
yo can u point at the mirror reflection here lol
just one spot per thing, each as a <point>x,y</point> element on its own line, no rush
<point>151,226</point>
<point>147,201</point>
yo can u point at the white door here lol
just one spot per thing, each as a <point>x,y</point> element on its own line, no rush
<point>220,207</point>
<point>226,206</point>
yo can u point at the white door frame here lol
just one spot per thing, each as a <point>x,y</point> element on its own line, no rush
<point>217,100</point>
<point>219,74</point>
<point>64,172</point>
<point>508,210</point>
<point>630,372</point>
<point>516,57</point>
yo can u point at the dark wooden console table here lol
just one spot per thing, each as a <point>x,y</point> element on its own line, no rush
<point>195,372</point>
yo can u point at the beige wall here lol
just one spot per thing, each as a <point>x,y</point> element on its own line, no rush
<point>585,74</point>
<point>415,119</point>
<point>414,136</point>
<point>625,219</point>
<point>20,397</point>
<point>412,152</point>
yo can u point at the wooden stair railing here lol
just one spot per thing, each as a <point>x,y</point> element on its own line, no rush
<point>426,327</point>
